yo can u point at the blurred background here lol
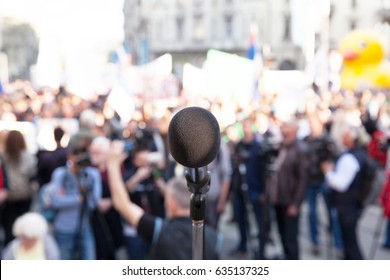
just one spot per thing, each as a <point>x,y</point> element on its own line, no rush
<point>135,62</point>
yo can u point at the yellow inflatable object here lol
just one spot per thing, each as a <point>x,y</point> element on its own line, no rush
<point>364,64</point>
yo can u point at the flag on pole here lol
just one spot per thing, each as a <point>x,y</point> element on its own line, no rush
<point>255,55</point>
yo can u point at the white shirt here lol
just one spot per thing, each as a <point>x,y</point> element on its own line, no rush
<point>346,168</point>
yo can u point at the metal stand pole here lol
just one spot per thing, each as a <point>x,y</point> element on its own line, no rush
<point>197,240</point>
<point>198,182</point>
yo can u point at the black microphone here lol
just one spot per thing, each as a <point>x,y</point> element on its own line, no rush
<point>194,140</point>
<point>194,137</point>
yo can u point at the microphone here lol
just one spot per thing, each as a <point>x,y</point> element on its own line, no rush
<point>194,137</point>
<point>194,140</point>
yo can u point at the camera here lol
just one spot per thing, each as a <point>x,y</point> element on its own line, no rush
<point>82,157</point>
<point>130,146</point>
<point>270,151</point>
<point>83,160</point>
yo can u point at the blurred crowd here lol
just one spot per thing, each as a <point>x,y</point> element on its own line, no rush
<point>268,166</point>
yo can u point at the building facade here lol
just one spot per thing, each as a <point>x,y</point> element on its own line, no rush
<point>188,28</point>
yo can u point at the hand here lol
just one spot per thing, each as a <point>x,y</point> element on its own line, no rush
<point>143,173</point>
<point>160,184</point>
<point>104,205</point>
<point>220,206</point>
<point>326,166</point>
<point>3,195</point>
<point>116,155</point>
<point>292,211</point>
<point>262,198</point>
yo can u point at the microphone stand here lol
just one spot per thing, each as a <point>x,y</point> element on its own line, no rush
<point>198,182</point>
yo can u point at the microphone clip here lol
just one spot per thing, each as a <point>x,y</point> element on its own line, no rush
<point>198,183</point>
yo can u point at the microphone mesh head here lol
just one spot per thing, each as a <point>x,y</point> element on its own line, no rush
<point>194,137</point>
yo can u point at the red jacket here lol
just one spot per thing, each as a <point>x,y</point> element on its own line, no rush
<point>374,148</point>
<point>385,196</point>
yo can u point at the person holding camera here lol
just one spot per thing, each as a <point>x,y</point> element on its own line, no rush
<point>142,180</point>
<point>76,191</point>
<point>322,148</point>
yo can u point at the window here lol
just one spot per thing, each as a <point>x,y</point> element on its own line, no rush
<point>198,28</point>
<point>229,27</point>
<point>352,25</point>
<point>287,28</point>
<point>179,29</point>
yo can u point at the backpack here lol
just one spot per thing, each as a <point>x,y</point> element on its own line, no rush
<point>44,201</point>
<point>45,196</point>
<point>368,173</point>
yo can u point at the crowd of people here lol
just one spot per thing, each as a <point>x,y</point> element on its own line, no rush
<point>115,185</point>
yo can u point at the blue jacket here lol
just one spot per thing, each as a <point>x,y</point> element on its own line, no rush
<point>66,197</point>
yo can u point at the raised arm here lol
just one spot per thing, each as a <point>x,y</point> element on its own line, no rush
<point>131,212</point>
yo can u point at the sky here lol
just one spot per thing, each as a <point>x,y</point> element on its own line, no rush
<point>69,19</point>
<point>75,33</point>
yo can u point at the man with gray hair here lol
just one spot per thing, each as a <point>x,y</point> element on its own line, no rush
<point>171,238</point>
<point>86,133</point>
<point>344,180</point>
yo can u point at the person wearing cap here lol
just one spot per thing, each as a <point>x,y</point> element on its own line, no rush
<point>33,241</point>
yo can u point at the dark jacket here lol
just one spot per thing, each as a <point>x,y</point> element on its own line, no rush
<point>175,242</point>
<point>349,198</point>
<point>292,174</point>
<point>321,148</point>
<point>250,154</point>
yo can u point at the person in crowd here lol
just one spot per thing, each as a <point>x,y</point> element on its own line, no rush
<point>76,192</point>
<point>3,138</point>
<point>142,179</point>
<point>321,148</point>
<point>33,240</point>
<point>386,146</point>
<point>150,149</point>
<point>238,189</point>
<point>168,239</point>
<point>220,174</point>
<point>50,160</point>
<point>377,150</point>
<point>385,201</point>
<point>20,167</point>
<point>86,133</point>
<point>251,169</point>
<point>3,194</point>
<point>344,180</point>
<point>289,187</point>
<point>106,221</point>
